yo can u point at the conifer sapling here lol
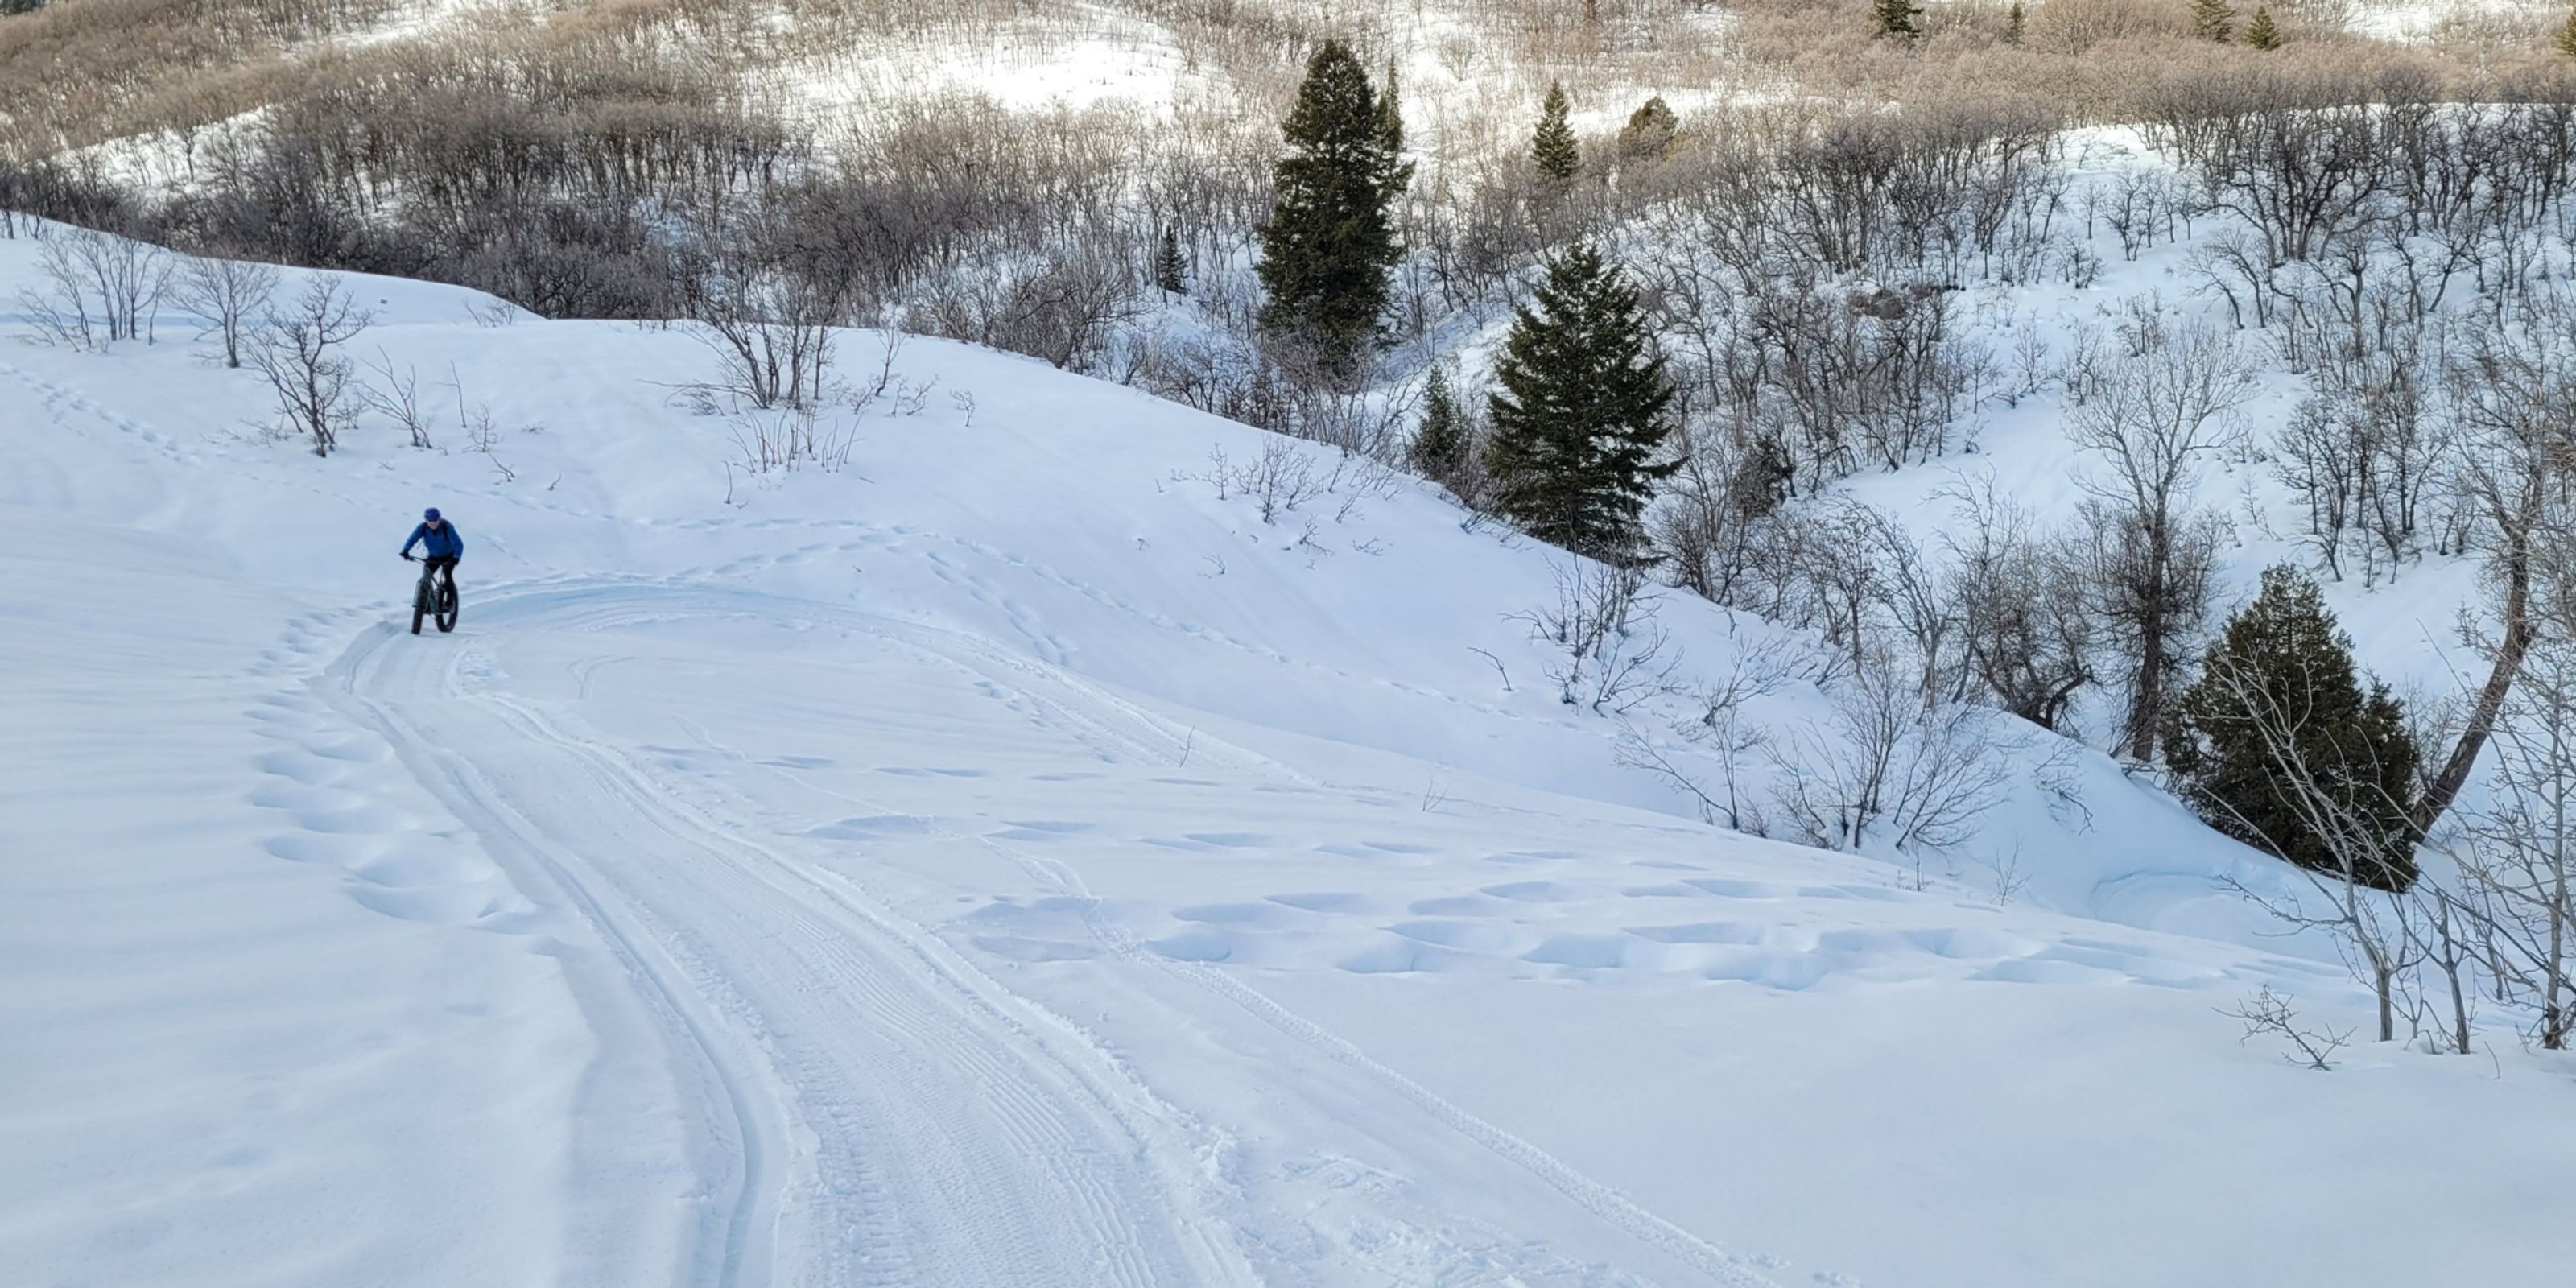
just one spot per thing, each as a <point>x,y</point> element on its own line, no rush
<point>2213,20</point>
<point>1552,146</point>
<point>1170,269</point>
<point>1439,448</point>
<point>2262,33</point>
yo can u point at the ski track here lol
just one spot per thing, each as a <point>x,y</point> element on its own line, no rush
<point>821,1042</point>
<point>867,1110</point>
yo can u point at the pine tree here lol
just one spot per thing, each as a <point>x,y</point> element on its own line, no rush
<point>1170,269</point>
<point>1330,240</point>
<point>2261,33</point>
<point>1552,146</point>
<point>2279,690</point>
<point>1580,417</point>
<point>1896,17</point>
<point>2567,35</point>
<point>2013,25</point>
<point>1440,445</point>
<point>2213,20</point>
<point>1650,131</point>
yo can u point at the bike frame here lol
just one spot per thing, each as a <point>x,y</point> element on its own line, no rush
<point>428,602</point>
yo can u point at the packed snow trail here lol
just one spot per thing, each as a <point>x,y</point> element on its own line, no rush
<point>866,1106</point>
<point>872,1111</point>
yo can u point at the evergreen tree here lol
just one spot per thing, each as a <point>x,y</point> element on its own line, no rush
<point>10,8</point>
<point>2013,24</point>
<point>1650,131</point>
<point>2261,33</point>
<point>1896,17</point>
<point>1170,269</point>
<point>1552,146</point>
<point>2279,690</point>
<point>2567,35</point>
<point>1390,120</point>
<point>1330,241</point>
<point>1440,445</point>
<point>2213,20</point>
<point>1580,417</point>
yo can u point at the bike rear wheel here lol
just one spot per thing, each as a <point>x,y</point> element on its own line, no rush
<point>446,607</point>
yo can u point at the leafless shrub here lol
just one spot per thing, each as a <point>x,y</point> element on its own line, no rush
<point>475,421</point>
<point>395,395</point>
<point>1608,652</point>
<point>1278,481</point>
<point>1722,727</point>
<point>1061,305</point>
<point>2269,1014</point>
<point>100,289</point>
<point>1887,768</point>
<point>2364,451</point>
<point>784,438</point>
<point>2456,941</point>
<point>772,345</point>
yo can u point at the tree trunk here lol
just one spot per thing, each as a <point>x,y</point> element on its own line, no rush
<point>2148,700</point>
<point>2459,1013</point>
<point>2142,708</point>
<point>2454,774</point>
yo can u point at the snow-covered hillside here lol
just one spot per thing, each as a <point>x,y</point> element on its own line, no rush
<point>994,854</point>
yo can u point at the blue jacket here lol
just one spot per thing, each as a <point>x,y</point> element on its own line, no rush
<point>442,544</point>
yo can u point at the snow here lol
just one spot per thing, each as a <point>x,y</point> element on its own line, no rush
<point>2419,19</point>
<point>1006,859</point>
<point>1122,61</point>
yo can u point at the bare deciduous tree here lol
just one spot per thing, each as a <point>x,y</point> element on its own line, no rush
<point>2513,397</point>
<point>2150,419</point>
<point>299,349</point>
<point>226,295</point>
<point>2025,620</point>
<point>101,288</point>
<point>2517,852</point>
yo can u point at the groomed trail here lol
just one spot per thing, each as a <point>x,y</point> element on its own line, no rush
<point>869,1108</point>
<point>865,1105</point>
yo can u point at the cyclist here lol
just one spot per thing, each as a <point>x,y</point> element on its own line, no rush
<point>439,544</point>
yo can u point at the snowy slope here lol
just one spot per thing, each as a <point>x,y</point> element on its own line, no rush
<point>1006,859</point>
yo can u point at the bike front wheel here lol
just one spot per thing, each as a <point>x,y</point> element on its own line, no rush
<point>419,606</point>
